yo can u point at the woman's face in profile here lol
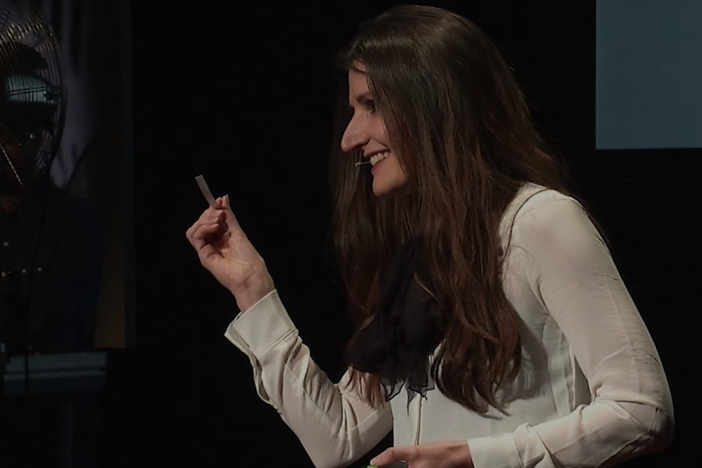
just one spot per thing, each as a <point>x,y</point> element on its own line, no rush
<point>367,134</point>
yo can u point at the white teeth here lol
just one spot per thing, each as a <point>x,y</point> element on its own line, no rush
<point>376,158</point>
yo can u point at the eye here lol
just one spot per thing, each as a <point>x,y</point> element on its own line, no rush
<point>371,105</point>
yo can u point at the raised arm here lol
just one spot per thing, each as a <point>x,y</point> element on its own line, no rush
<point>333,423</point>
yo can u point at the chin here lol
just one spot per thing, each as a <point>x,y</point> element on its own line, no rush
<point>381,190</point>
<point>390,179</point>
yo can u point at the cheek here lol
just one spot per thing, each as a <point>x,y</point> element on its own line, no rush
<point>384,132</point>
<point>398,175</point>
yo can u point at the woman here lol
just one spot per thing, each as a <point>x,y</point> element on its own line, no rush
<point>493,327</point>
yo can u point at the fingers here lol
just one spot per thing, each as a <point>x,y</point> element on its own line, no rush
<point>229,218</point>
<point>200,235</point>
<point>386,457</point>
<point>212,224</point>
<point>209,223</point>
<point>223,202</point>
<point>431,455</point>
<point>393,457</point>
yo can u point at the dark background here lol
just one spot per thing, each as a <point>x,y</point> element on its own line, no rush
<point>243,94</point>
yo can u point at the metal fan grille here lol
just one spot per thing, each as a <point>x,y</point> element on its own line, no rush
<point>32,94</point>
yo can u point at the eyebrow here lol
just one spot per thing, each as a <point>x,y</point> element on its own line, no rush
<point>364,97</point>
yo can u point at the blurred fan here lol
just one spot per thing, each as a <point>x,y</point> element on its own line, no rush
<point>32,99</point>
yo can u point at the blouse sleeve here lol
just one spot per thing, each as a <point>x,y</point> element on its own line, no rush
<point>333,423</point>
<point>571,273</point>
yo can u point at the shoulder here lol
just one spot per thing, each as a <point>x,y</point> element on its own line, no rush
<point>543,220</point>
<point>535,201</point>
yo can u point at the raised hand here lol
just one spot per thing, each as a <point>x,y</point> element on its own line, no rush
<point>226,252</point>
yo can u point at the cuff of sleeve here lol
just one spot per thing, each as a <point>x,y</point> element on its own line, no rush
<point>494,452</point>
<point>260,327</point>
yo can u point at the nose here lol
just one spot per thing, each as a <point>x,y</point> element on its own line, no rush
<point>354,136</point>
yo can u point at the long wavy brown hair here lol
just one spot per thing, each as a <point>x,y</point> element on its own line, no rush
<point>465,139</point>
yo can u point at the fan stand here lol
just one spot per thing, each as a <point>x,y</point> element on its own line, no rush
<point>10,308</point>
<point>4,314</point>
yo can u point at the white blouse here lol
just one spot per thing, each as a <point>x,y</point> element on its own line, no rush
<point>591,390</point>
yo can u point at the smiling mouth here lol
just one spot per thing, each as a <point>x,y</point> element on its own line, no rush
<point>376,158</point>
